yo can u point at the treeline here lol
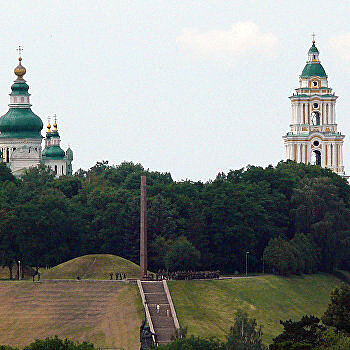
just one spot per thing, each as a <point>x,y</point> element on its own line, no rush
<point>292,218</point>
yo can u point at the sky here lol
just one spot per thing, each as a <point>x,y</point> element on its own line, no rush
<point>193,88</point>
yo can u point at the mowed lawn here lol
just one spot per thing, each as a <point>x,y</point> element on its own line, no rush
<point>106,313</point>
<point>94,266</point>
<point>207,307</point>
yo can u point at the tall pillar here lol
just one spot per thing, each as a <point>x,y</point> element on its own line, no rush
<point>143,230</point>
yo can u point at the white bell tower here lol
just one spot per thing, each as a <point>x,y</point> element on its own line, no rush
<point>313,137</point>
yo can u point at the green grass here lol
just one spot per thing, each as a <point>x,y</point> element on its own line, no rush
<point>207,307</point>
<point>96,266</point>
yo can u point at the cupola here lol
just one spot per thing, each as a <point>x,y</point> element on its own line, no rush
<point>20,121</point>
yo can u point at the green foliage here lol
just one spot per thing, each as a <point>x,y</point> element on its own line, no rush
<point>331,339</point>
<point>304,331</point>
<point>5,173</point>
<point>289,345</point>
<point>58,344</point>
<point>338,312</point>
<point>245,333</point>
<point>193,343</point>
<point>303,211</point>
<point>6,347</point>
<point>182,256</point>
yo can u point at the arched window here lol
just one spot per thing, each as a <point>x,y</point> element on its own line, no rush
<point>56,169</point>
<point>316,158</point>
<point>62,170</point>
<point>315,118</point>
<point>22,99</point>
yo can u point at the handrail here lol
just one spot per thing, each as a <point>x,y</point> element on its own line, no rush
<point>148,315</point>
<point>170,301</point>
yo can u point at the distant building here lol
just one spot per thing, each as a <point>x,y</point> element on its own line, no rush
<point>313,137</point>
<point>20,134</point>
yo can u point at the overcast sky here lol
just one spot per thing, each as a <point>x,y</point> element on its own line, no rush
<point>190,87</point>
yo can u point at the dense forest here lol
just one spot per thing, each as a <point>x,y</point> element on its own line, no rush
<point>292,218</point>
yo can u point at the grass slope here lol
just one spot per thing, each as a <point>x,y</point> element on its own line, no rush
<point>107,313</point>
<point>207,307</point>
<point>96,266</point>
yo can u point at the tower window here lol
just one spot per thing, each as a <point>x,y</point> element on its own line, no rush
<point>314,57</point>
<point>55,169</point>
<point>316,158</point>
<point>315,118</point>
<point>316,143</point>
<point>22,99</point>
<point>315,105</point>
<point>314,83</point>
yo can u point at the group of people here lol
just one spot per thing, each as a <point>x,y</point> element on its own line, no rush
<point>118,276</point>
<point>187,275</point>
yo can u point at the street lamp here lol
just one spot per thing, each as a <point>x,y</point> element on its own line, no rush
<point>246,263</point>
<point>19,269</point>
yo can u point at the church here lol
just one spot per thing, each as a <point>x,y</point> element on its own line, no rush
<point>313,137</point>
<point>20,134</point>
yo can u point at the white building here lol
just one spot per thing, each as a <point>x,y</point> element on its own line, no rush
<point>313,137</point>
<point>20,134</point>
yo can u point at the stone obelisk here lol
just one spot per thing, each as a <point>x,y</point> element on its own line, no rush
<point>143,230</point>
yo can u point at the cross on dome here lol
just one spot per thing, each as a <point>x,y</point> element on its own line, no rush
<point>20,49</point>
<point>313,37</point>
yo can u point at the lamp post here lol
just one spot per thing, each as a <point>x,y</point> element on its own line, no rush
<point>19,269</point>
<point>246,263</point>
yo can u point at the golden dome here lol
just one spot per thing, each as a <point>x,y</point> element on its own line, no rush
<point>20,70</point>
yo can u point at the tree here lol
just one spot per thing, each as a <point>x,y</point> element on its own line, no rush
<point>5,173</point>
<point>304,331</point>
<point>245,334</point>
<point>182,255</point>
<point>193,343</point>
<point>279,256</point>
<point>338,312</point>
<point>331,339</point>
<point>56,343</point>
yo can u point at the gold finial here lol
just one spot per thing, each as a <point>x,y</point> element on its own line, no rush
<point>55,123</point>
<point>20,70</point>
<point>48,125</point>
<point>313,37</point>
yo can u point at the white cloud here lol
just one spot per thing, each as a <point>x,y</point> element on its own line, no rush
<point>341,45</point>
<point>243,38</point>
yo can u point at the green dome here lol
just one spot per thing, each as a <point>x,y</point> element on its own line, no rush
<point>313,49</point>
<point>313,69</point>
<point>20,88</point>
<point>20,123</point>
<point>53,152</point>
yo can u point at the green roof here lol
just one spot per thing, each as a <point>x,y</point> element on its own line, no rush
<point>69,154</point>
<point>53,152</point>
<point>19,88</point>
<point>313,70</point>
<point>20,123</point>
<point>313,49</point>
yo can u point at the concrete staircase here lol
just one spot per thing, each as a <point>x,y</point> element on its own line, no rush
<point>163,321</point>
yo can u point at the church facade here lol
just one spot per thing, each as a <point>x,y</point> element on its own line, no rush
<point>313,137</point>
<point>20,134</point>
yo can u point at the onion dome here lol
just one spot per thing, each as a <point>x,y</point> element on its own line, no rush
<point>53,152</point>
<point>313,48</point>
<point>20,121</point>
<point>53,149</point>
<point>313,67</point>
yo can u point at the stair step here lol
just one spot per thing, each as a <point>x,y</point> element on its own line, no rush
<point>153,287</point>
<point>156,298</point>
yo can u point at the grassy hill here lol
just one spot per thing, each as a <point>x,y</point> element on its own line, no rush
<point>96,266</point>
<point>207,307</point>
<point>107,313</point>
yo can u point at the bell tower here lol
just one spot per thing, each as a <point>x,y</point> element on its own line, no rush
<point>313,137</point>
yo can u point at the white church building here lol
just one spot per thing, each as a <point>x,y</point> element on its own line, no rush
<point>313,137</point>
<point>20,135</point>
